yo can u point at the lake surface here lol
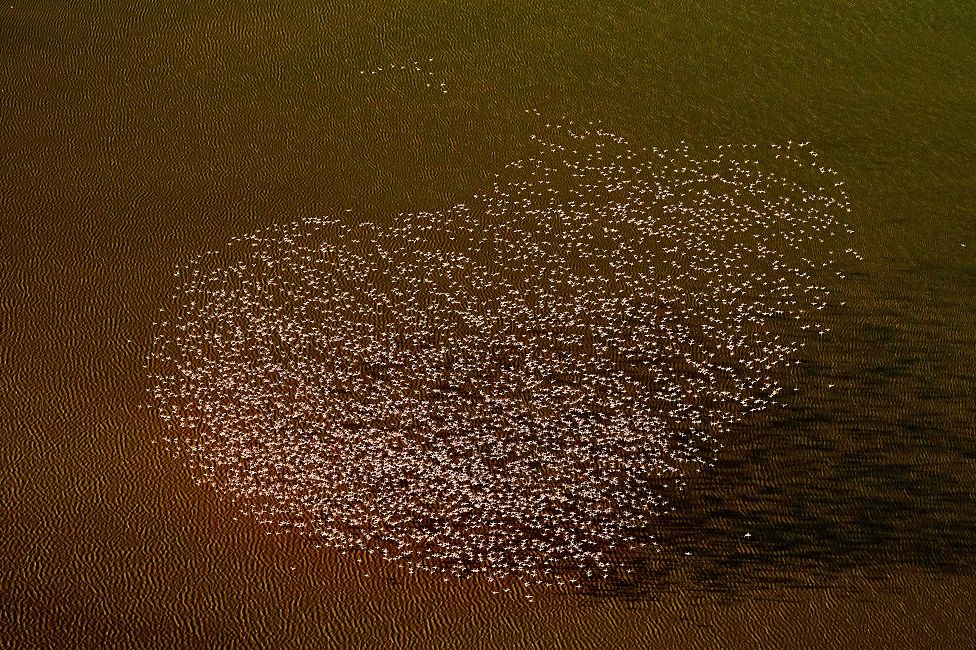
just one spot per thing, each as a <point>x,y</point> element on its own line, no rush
<point>137,137</point>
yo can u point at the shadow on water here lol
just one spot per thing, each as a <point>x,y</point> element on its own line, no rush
<point>869,468</point>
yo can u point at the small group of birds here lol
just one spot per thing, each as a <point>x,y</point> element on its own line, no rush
<point>416,69</point>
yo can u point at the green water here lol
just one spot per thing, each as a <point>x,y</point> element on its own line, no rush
<point>135,136</point>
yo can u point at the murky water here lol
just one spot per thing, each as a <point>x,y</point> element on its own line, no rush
<point>136,139</point>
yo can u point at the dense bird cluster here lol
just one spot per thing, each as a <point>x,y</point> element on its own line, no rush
<point>510,386</point>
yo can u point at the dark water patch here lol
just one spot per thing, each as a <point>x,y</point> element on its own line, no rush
<point>864,477</point>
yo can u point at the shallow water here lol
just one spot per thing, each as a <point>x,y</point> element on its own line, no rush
<point>135,139</point>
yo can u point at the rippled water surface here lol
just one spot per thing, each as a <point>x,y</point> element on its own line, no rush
<point>487,325</point>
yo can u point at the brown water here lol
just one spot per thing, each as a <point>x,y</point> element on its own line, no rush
<point>133,139</point>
